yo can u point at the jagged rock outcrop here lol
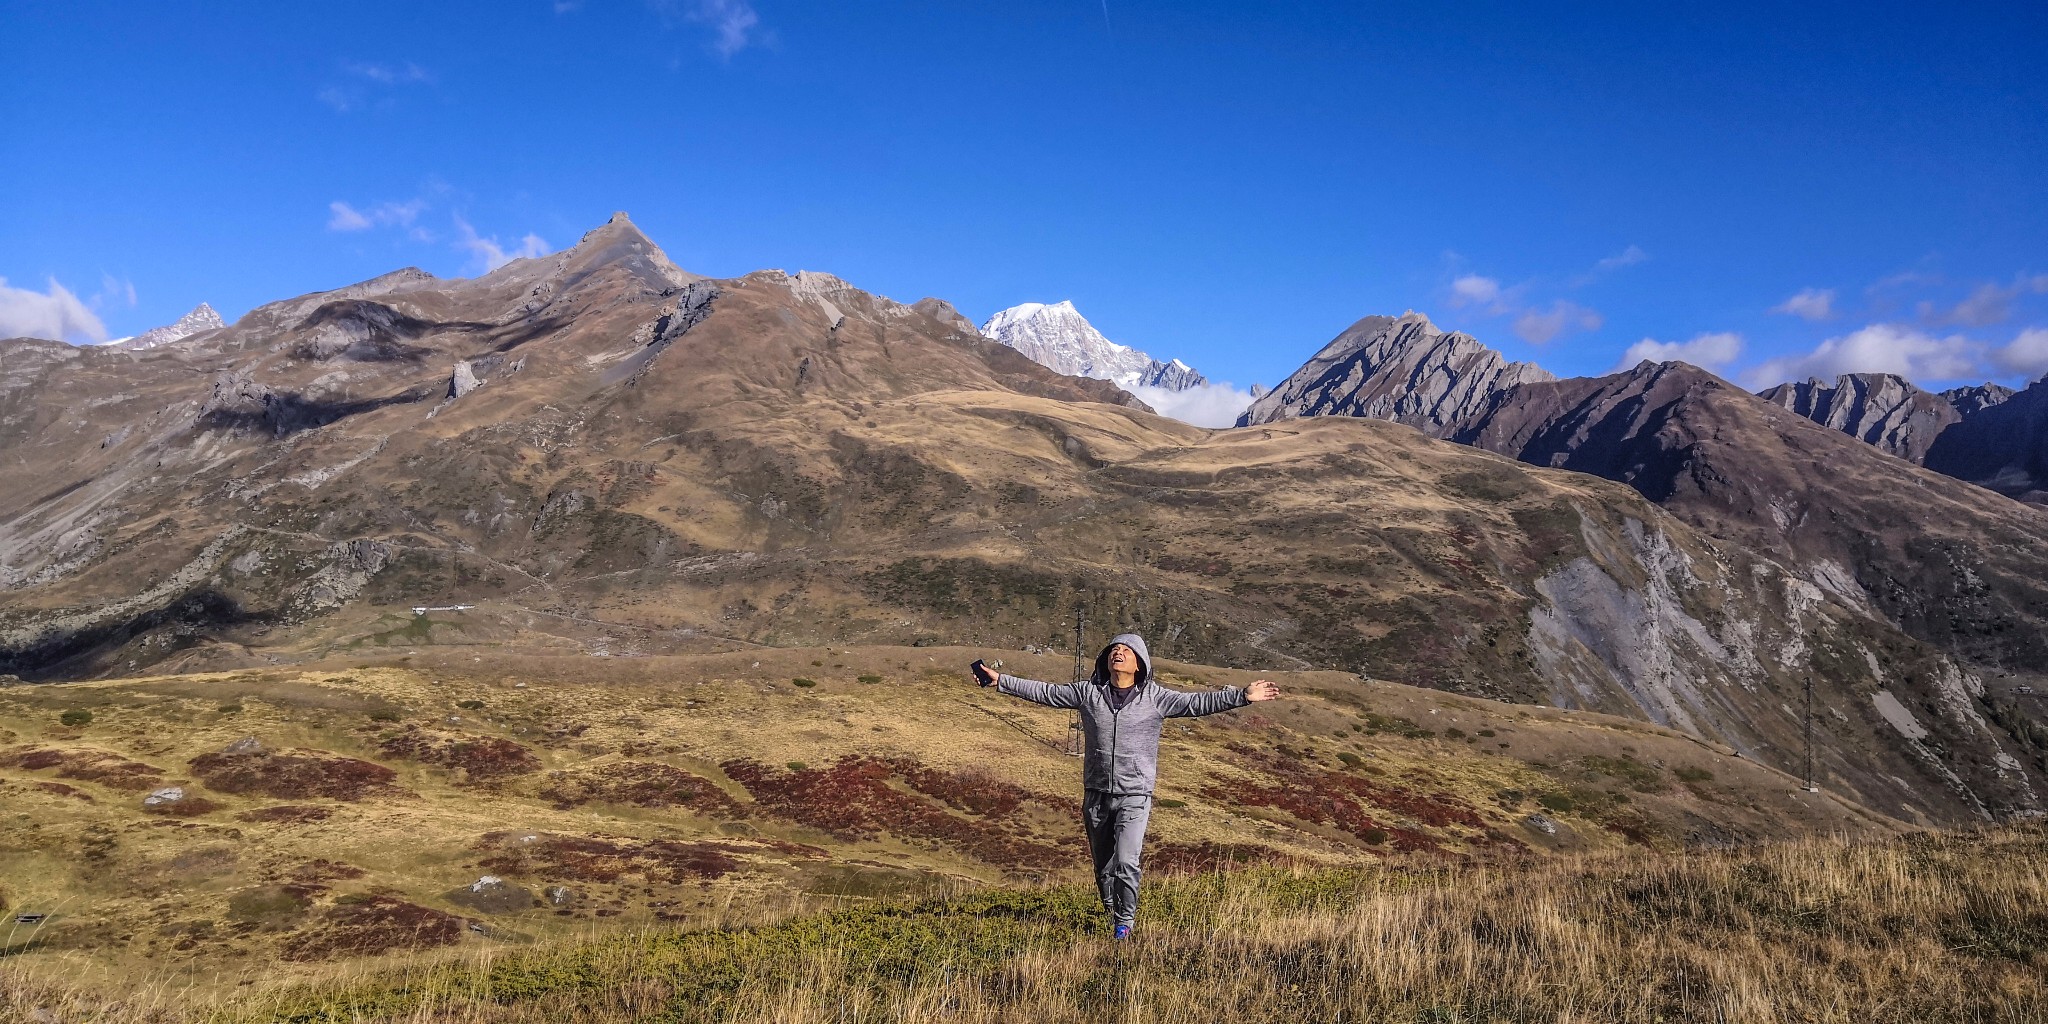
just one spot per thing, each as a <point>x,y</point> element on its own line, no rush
<point>463,380</point>
<point>1173,375</point>
<point>1976,398</point>
<point>2002,445</point>
<point>1883,409</point>
<point>1056,335</point>
<point>202,318</point>
<point>944,312</point>
<point>1986,434</point>
<point>1396,368</point>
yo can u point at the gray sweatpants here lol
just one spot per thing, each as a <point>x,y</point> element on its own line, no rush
<point>1115,823</point>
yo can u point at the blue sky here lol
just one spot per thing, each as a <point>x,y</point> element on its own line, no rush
<point>1764,190</point>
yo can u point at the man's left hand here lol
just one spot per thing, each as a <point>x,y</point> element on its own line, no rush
<point>1264,689</point>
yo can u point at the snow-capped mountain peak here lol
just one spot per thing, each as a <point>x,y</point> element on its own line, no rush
<point>202,318</point>
<point>1058,336</point>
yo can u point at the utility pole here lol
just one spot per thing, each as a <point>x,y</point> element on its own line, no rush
<point>1080,674</point>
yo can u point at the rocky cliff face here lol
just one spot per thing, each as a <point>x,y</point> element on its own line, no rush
<point>2002,444</point>
<point>1986,434</point>
<point>1977,397</point>
<point>1396,368</point>
<point>1882,409</point>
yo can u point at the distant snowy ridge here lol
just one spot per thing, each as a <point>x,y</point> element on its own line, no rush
<point>202,318</point>
<point>1056,335</point>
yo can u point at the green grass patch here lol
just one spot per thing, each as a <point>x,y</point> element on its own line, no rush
<point>1640,777</point>
<point>1376,723</point>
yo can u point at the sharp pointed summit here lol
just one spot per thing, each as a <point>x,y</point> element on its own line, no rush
<point>1396,368</point>
<point>1058,336</point>
<point>618,241</point>
<point>202,318</point>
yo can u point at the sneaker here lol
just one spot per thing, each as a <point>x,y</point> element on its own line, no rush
<point>1123,931</point>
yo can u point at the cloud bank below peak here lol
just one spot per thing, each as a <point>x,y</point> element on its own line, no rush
<point>1204,405</point>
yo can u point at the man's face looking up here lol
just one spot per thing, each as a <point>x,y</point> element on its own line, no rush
<point>1123,659</point>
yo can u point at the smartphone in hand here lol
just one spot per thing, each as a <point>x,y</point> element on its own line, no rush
<point>982,673</point>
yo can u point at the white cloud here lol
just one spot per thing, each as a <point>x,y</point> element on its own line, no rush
<point>342,100</point>
<point>368,80</point>
<point>1204,405</point>
<point>114,290</point>
<point>343,217</point>
<point>1474,290</point>
<point>734,23</point>
<point>491,255</point>
<point>56,315</point>
<point>1878,348</point>
<point>1538,326</point>
<point>2027,355</point>
<point>1809,304</point>
<point>1987,304</point>
<point>1535,323</point>
<point>1628,257</point>
<point>1710,350</point>
<point>384,74</point>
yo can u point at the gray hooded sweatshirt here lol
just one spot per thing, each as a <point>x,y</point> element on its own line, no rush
<point>1120,746</point>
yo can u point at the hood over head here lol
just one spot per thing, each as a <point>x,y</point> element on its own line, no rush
<point>1137,644</point>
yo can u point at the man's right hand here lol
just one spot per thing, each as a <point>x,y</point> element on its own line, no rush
<point>983,674</point>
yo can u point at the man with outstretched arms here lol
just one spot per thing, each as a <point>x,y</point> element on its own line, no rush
<point>1122,711</point>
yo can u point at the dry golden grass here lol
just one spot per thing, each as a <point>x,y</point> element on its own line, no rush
<point>1926,928</point>
<point>194,905</point>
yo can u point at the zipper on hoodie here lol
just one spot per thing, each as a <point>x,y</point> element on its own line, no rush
<point>1115,716</point>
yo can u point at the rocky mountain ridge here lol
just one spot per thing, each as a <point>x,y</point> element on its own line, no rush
<point>656,462</point>
<point>1395,368</point>
<point>1882,409</point>
<point>1951,565</point>
<point>1058,336</point>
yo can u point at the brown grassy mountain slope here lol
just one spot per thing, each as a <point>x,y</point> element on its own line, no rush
<point>656,462</point>
<point>1953,566</point>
